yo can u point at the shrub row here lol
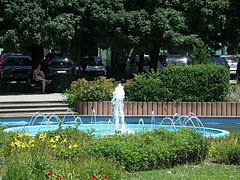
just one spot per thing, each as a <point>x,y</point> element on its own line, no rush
<point>199,83</point>
<point>151,150</point>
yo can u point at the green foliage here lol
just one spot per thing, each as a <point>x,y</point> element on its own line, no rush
<point>200,54</point>
<point>151,150</point>
<point>100,89</point>
<point>146,87</point>
<point>226,150</point>
<point>200,83</point>
<point>60,83</point>
<point>52,155</point>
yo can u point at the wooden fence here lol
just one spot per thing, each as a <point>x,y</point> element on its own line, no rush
<point>133,108</point>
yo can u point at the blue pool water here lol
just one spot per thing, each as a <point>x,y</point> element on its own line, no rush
<point>132,123</point>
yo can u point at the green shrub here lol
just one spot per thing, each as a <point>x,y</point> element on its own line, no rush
<point>199,83</point>
<point>146,87</point>
<point>226,150</point>
<point>151,150</point>
<point>100,89</point>
<point>60,83</point>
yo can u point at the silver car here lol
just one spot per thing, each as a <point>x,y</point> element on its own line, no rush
<point>232,62</point>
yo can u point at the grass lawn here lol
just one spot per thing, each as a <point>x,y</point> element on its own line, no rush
<point>190,172</point>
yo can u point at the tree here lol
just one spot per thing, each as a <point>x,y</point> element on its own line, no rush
<point>200,54</point>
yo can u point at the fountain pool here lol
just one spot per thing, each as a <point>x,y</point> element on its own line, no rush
<point>104,126</point>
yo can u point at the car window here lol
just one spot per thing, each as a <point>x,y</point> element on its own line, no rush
<point>177,60</point>
<point>232,59</point>
<point>17,61</point>
<point>218,60</point>
<point>91,61</point>
<point>59,56</point>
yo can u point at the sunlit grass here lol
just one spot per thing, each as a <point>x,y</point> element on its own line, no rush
<point>190,172</point>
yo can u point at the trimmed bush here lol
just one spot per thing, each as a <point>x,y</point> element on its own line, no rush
<point>151,150</point>
<point>100,89</point>
<point>198,83</point>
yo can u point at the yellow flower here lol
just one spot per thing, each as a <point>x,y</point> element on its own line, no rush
<point>52,140</point>
<point>123,167</point>
<point>23,145</point>
<point>26,134</point>
<point>20,135</point>
<point>64,141</point>
<point>22,161</point>
<point>32,141</point>
<point>75,145</point>
<point>42,136</point>
<point>54,146</point>
<point>70,146</point>
<point>13,161</point>
<point>13,145</point>
<point>18,143</point>
<point>57,137</point>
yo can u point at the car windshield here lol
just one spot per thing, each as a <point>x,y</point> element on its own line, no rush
<point>18,61</point>
<point>92,61</point>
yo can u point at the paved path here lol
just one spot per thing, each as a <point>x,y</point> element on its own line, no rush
<point>30,97</point>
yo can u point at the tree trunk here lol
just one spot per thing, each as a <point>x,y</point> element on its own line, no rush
<point>37,54</point>
<point>154,54</point>
<point>141,62</point>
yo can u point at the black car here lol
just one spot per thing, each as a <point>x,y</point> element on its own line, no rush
<point>59,63</point>
<point>17,67</point>
<point>91,66</point>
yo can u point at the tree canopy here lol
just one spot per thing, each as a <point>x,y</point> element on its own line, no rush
<point>127,27</point>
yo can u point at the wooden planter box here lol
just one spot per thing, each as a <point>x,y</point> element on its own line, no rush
<point>135,108</point>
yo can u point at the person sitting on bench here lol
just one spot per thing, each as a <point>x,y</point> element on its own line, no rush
<point>38,75</point>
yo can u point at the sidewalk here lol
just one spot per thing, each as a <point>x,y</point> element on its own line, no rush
<point>30,97</point>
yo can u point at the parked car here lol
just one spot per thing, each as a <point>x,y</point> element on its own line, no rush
<point>176,59</point>
<point>238,70</point>
<point>17,67</point>
<point>3,57</point>
<point>219,61</point>
<point>91,66</point>
<point>232,63</point>
<point>59,63</point>
<point>133,64</point>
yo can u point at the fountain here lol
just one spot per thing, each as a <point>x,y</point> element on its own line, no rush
<point>118,105</point>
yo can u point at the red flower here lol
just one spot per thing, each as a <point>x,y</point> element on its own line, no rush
<point>238,142</point>
<point>58,176</point>
<point>93,177</point>
<point>103,176</point>
<point>49,173</point>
